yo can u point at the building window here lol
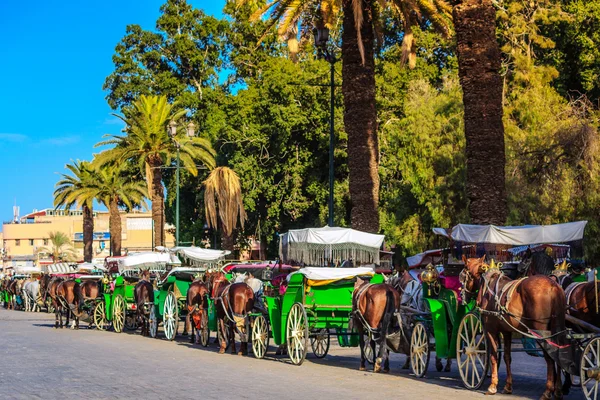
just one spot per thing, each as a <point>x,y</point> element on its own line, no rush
<point>17,242</point>
<point>31,242</point>
<point>45,242</point>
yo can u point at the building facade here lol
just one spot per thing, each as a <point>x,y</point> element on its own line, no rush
<point>22,241</point>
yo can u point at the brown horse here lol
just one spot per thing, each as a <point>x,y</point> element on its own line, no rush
<point>69,298</point>
<point>373,307</point>
<point>48,286</point>
<point>197,306</point>
<point>144,299</point>
<point>233,303</point>
<point>12,288</point>
<point>534,306</point>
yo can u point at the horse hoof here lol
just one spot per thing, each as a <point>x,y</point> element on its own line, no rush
<point>362,369</point>
<point>221,351</point>
<point>439,367</point>
<point>558,395</point>
<point>447,369</point>
<point>507,391</point>
<point>386,371</point>
<point>488,393</point>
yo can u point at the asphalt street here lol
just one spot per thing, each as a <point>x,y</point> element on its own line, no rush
<point>40,362</point>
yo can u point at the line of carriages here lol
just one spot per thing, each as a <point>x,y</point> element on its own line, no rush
<point>297,307</point>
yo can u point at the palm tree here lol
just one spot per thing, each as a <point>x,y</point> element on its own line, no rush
<point>74,189</point>
<point>148,145</point>
<point>479,61</point>
<point>61,248</point>
<point>114,187</point>
<point>360,19</point>
<point>223,197</point>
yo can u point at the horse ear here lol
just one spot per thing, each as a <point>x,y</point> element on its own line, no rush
<point>464,259</point>
<point>483,258</point>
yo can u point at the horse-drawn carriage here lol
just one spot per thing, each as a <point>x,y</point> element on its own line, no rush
<point>532,306</point>
<point>116,304</point>
<point>317,301</point>
<point>171,289</point>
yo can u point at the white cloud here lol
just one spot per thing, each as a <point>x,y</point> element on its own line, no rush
<point>61,140</point>
<point>13,137</point>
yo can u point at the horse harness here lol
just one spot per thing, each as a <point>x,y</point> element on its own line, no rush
<point>375,332</point>
<point>501,310</point>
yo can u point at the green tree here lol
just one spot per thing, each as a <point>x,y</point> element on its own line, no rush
<point>76,189</point>
<point>360,20</point>
<point>61,248</point>
<point>148,145</point>
<point>114,187</point>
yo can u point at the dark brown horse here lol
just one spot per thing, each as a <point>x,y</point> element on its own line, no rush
<point>197,306</point>
<point>144,299</point>
<point>68,298</point>
<point>233,303</point>
<point>12,288</point>
<point>48,286</point>
<point>534,306</point>
<point>373,307</point>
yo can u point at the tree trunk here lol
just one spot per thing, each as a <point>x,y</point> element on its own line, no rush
<point>158,202</point>
<point>115,227</point>
<point>479,72</point>
<point>88,233</point>
<point>360,119</point>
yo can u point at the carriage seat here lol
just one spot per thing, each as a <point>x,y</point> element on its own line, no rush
<point>451,283</point>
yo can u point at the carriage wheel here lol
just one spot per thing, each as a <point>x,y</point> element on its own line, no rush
<point>297,334</point>
<point>153,321</point>
<point>205,333</point>
<point>100,316</point>
<point>590,369</point>
<point>260,336</point>
<point>472,352</point>
<point>419,350</point>
<point>319,342</point>
<point>119,311</point>
<point>170,316</point>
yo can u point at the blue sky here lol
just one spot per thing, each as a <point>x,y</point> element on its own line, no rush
<point>55,57</point>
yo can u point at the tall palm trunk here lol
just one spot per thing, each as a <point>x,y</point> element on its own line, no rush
<point>115,227</point>
<point>360,119</point>
<point>158,202</point>
<point>479,72</point>
<point>88,233</point>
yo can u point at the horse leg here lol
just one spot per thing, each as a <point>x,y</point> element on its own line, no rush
<point>567,385</point>
<point>232,337</point>
<point>243,338</point>
<point>361,340</point>
<point>508,387</point>
<point>558,393</point>
<point>186,326</point>
<point>547,395</point>
<point>493,388</point>
<point>222,335</point>
<point>438,364</point>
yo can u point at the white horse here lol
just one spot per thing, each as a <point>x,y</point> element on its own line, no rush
<point>31,291</point>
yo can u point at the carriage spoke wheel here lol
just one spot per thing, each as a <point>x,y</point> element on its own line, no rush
<point>100,316</point>
<point>590,370</point>
<point>205,333</point>
<point>170,316</point>
<point>119,311</point>
<point>297,334</point>
<point>419,350</point>
<point>260,337</point>
<point>319,342</point>
<point>472,353</point>
<point>153,321</point>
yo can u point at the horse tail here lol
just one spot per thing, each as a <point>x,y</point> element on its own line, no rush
<point>77,298</point>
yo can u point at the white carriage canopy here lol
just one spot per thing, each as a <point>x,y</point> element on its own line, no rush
<point>59,268</point>
<point>201,258</point>
<point>87,267</point>
<point>515,235</point>
<point>144,260</point>
<point>322,246</point>
<point>27,270</point>
<point>427,257</point>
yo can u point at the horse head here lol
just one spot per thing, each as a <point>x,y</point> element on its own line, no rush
<point>470,276</point>
<point>214,281</point>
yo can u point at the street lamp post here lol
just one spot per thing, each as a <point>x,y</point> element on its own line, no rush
<point>191,132</point>
<point>321,39</point>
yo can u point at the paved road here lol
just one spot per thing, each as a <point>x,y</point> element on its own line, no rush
<point>40,362</point>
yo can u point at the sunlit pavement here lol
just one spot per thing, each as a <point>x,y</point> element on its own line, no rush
<point>40,362</point>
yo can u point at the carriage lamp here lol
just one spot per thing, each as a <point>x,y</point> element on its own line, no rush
<point>172,129</point>
<point>430,276</point>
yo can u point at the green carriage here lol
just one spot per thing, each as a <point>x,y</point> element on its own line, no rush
<point>455,330</point>
<point>117,305</point>
<point>171,289</point>
<point>317,302</point>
